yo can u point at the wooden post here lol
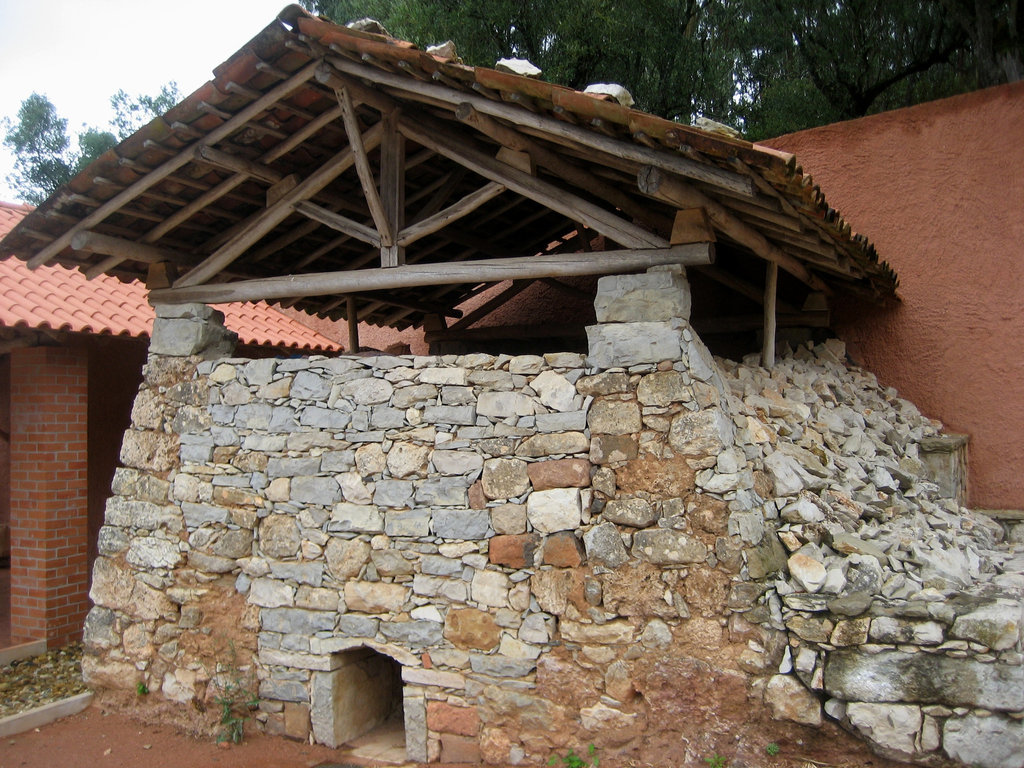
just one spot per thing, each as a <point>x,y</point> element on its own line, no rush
<point>392,189</point>
<point>771,284</point>
<point>353,324</point>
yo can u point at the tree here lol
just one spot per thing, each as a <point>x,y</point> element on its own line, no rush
<point>44,158</point>
<point>767,66</point>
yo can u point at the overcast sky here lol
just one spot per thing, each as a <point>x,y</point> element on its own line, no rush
<point>80,52</point>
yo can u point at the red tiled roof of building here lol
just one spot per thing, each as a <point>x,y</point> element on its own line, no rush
<point>63,300</point>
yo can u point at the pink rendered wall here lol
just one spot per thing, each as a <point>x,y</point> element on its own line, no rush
<point>939,190</point>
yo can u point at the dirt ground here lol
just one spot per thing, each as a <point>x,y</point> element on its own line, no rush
<point>100,740</point>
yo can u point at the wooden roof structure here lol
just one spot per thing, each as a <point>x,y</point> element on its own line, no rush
<point>352,175</point>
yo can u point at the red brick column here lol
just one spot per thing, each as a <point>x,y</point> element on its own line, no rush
<point>49,494</point>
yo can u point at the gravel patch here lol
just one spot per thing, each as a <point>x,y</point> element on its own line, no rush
<point>29,683</point>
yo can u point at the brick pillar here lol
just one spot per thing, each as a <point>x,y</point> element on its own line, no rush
<point>49,494</point>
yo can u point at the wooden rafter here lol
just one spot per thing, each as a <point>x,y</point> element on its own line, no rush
<point>386,234</point>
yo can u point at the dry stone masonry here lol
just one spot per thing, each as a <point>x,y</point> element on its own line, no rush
<point>646,549</point>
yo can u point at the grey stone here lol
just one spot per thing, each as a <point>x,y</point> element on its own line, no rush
<point>508,518</point>
<point>501,405</point>
<point>145,515</point>
<point>308,385</point>
<point>418,394</point>
<point>356,518</point>
<point>358,626</point>
<point>271,593</point>
<point>663,546</point>
<point>701,433</point>
<point>452,376</point>
<point>450,414</point>
<point>202,514</point>
<point>442,492</point>
<point>393,493</point>
<point>288,467</point>
<point>279,536</point>
<point>467,524</point>
<point>368,391</point>
<point>304,573</point>
<point>296,620</point>
<point>315,490</point>
<point>627,344</point>
<point>614,417</point>
<point>526,364</point>
<point>346,557</point>
<point>604,546</point>
<point>662,389</point>
<point>457,462</point>
<point>416,634</point>
<point>996,625</point>
<point>652,296</point>
<point>984,742</point>
<point>636,513</point>
<point>407,458</point>
<point>153,552</point>
<point>501,666</point>
<point>892,676</point>
<point>553,444</point>
<point>324,418</point>
<point>893,727</point>
<point>561,422</point>
<point>504,478</point>
<point>415,524</point>
<point>554,510</point>
<point>555,391</point>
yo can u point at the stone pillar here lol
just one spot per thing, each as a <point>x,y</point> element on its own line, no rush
<point>49,494</point>
<point>181,330</point>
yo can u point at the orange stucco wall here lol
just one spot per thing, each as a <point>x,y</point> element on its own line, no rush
<point>939,189</point>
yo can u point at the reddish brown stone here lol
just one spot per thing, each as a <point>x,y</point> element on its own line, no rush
<point>477,500</point>
<point>661,478</point>
<point>514,550</point>
<point>470,628</point>
<point>560,473</point>
<point>563,550</point>
<point>444,718</point>
<point>459,749</point>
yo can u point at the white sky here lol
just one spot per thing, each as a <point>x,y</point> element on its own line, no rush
<point>78,53</point>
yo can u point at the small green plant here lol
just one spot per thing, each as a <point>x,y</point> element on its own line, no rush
<point>715,761</point>
<point>772,749</point>
<point>572,760</point>
<point>236,698</point>
<point>141,688</point>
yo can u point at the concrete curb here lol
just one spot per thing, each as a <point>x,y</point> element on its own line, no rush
<point>44,715</point>
<point>22,651</point>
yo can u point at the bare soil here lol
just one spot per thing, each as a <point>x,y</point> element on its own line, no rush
<point>111,740</point>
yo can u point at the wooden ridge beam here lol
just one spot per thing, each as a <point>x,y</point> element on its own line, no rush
<point>276,213</point>
<point>667,160</point>
<point>654,182</point>
<point>412,276</point>
<point>623,232</point>
<point>172,164</point>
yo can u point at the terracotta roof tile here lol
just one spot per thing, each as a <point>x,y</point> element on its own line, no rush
<point>63,300</point>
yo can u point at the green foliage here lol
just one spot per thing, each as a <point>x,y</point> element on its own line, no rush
<point>767,66</point>
<point>772,749</point>
<point>716,761</point>
<point>572,760</point>
<point>43,156</point>
<point>236,697</point>
<point>141,688</point>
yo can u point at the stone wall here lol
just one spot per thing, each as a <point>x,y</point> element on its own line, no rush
<point>646,550</point>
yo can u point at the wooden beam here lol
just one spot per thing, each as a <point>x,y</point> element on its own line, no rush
<point>366,180</point>
<point>455,211</point>
<point>771,284</point>
<point>652,181</point>
<point>172,164</point>
<point>411,276</point>
<point>237,164</point>
<point>692,226</point>
<point>338,222</point>
<point>121,249</point>
<point>276,213</point>
<point>667,160</point>
<point>511,138</point>
<point>392,188</point>
<point>353,324</point>
<point>619,230</point>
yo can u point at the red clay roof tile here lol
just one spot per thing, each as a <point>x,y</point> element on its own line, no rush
<point>63,300</point>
